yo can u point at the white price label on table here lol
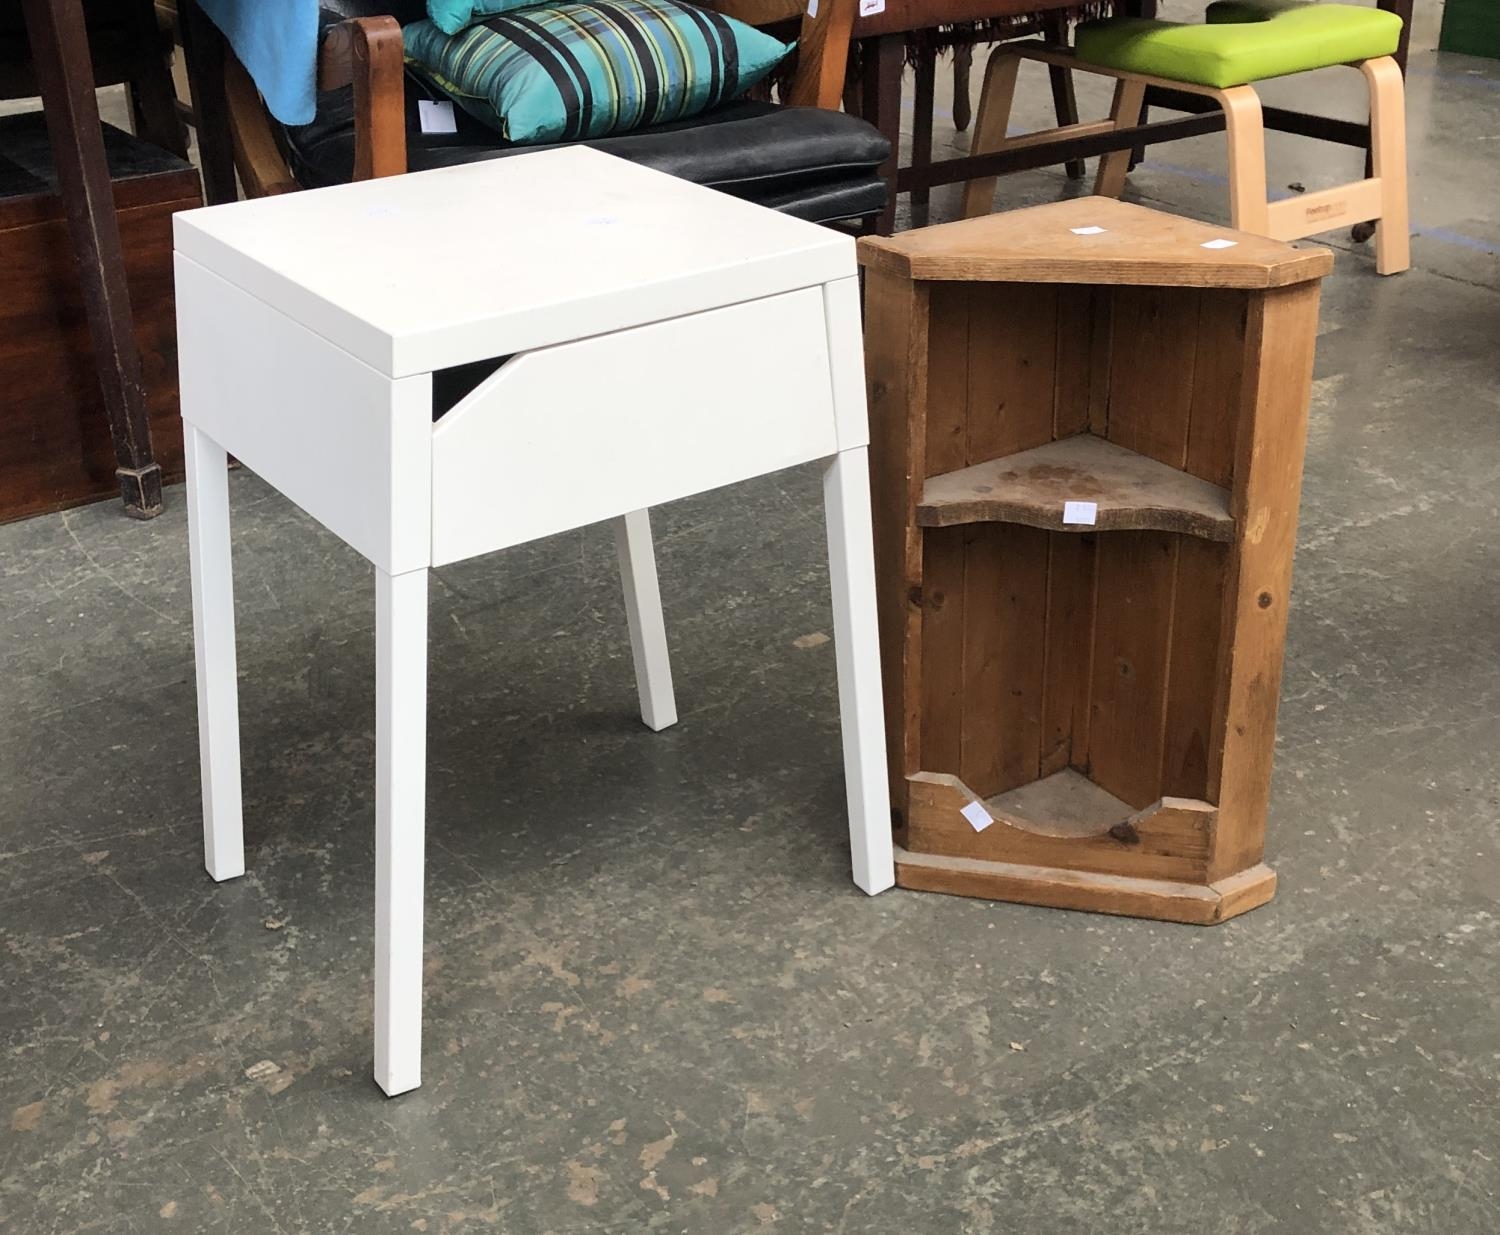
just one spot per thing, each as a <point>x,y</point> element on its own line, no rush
<point>1081,512</point>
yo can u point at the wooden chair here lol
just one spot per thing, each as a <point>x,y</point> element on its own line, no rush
<point>370,124</point>
<point>126,48</point>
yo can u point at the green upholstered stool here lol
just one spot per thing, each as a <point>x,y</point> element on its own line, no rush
<point>1242,42</point>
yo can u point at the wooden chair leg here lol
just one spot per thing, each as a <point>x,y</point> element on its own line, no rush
<point>1064,99</point>
<point>153,100</point>
<point>60,53</point>
<point>1124,113</point>
<point>990,126</point>
<point>1388,153</point>
<point>1245,127</point>
<point>203,49</point>
<point>922,121</point>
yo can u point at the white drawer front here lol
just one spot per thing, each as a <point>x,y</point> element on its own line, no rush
<point>581,432</point>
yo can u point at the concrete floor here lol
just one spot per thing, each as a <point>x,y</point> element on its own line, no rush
<point>655,1002</point>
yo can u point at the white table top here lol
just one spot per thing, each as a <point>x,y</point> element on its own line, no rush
<point>419,272</point>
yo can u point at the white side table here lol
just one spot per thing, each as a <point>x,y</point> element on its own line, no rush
<point>652,339</point>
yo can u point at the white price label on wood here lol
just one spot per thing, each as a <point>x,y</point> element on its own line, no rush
<point>979,818</point>
<point>868,8</point>
<point>436,116</point>
<point>1081,512</point>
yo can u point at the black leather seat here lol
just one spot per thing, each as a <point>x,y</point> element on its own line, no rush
<point>816,164</point>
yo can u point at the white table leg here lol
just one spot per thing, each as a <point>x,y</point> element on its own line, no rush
<point>213,647</point>
<point>851,568</point>
<point>400,810</point>
<point>648,628</point>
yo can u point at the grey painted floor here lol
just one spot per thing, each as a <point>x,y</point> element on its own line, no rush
<point>655,1001</point>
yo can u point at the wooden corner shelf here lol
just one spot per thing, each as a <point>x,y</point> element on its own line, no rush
<point>1083,715</point>
<point>1129,492</point>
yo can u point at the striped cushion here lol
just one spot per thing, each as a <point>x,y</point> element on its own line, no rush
<point>566,72</point>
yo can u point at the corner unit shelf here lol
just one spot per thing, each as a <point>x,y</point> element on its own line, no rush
<point>1127,490</point>
<point>1083,714</point>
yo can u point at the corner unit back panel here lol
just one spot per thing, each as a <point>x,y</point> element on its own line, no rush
<point>1042,651</point>
<point>1161,371</point>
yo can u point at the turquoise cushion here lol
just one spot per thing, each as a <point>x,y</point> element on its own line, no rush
<point>451,16</point>
<point>565,72</point>
<point>1244,41</point>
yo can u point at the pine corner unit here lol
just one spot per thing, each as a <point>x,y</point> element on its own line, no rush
<point>1088,422</point>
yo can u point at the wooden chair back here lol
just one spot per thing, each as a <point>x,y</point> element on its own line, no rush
<point>367,54</point>
<point>126,46</point>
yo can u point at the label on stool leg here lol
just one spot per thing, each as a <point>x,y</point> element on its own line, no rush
<point>979,818</point>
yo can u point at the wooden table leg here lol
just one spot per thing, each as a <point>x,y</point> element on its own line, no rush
<point>963,67</point>
<point>212,571</point>
<point>856,646</point>
<point>1064,100</point>
<point>884,64</point>
<point>400,825</point>
<point>203,56</point>
<point>64,73</point>
<point>922,119</point>
<point>643,616</point>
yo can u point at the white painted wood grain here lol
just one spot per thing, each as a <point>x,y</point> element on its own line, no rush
<point>345,443</point>
<point>400,825</point>
<point>214,654</point>
<point>419,272</point>
<point>851,571</point>
<point>643,616</point>
<point>587,431</point>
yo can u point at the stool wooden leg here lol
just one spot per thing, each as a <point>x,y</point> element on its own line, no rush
<point>1388,151</point>
<point>1125,113</point>
<point>851,569</point>
<point>1245,127</point>
<point>990,127</point>
<point>400,821</point>
<point>643,614</point>
<point>213,646</point>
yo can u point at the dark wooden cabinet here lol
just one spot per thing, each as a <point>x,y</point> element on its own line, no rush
<point>1088,423</point>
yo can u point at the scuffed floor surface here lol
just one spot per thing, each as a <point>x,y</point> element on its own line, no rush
<point>655,1002</point>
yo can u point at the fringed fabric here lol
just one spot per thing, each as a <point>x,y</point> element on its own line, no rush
<point>944,39</point>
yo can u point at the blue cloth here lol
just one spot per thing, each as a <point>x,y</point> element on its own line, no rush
<point>277,42</point>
